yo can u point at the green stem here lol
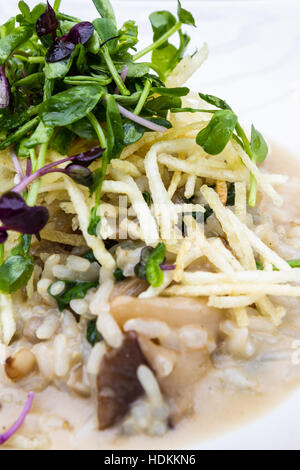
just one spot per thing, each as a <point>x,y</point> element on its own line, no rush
<point>40,162</point>
<point>159,42</point>
<point>34,188</point>
<point>33,159</point>
<point>19,133</point>
<point>113,71</point>
<point>63,16</point>
<point>1,253</point>
<point>56,5</point>
<point>98,129</point>
<point>94,218</point>
<point>103,142</point>
<point>30,60</point>
<point>253,183</point>
<point>143,97</point>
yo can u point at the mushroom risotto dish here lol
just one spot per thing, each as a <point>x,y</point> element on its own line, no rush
<point>149,244</point>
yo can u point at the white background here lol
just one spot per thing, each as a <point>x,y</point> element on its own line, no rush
<point>254,64</point>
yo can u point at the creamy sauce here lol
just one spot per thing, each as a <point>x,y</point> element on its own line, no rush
<point>63,421</point>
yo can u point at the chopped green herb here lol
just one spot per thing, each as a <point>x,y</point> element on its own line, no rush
<point>72,290</point>
<point>119,276</point>
<point>92,334</point>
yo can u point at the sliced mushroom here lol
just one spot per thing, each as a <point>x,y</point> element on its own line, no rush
<point>132,287</point>
<point>118,385</point>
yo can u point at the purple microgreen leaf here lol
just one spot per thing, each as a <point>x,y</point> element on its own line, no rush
<point>16,426</point>
<point>47,23</point>
<point>80,174</point>
<point>64,47</point>
<point>3,235</point>
<point>86,158</point>
<point>16,215</point>
<point>59,51</point>
<point>4,89</point>
<point>80,33</point>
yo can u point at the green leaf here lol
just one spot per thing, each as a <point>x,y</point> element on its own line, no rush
<point>62,140</point>
<point>81,61</point>
<point>37,11</point>
<point>115,131</point>
<point>154,274</point>
<point>83,129</point>
<point>185,16</point>
<point>69,106</point>
<point>165,60</point>
<point>72,291</point>
<point>9,43</point>
<point>21,132</point>
<point>162,104</point>
<point>41,135</point>
<point>93,46</point>
<point>215,101</point>
<point>15,272</point>
<point>8,27</point>
<point>135,70</point>
<point>128,36</point>
<point>180,91</point>
<point>58,69</point>
<point>106,29</point>
<point>105,9</point>
<point>25,10</point>
<point>216,135</point>
<point>92,334</point>
<point>35,80</point>
<point>161,22</point>
<point>134,132</point>
<point>259,146</point>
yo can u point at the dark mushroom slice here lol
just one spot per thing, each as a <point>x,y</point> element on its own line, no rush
<point>132,287</point>
<point>118,385</point>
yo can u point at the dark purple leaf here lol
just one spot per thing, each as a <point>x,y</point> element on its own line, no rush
<point>47,23</point>
<point>80,174</point>
<point>3,235</point>
<point>4,89</point>
<point>86,158</point>
<point>16,215</point>
<point>80,33</point>
<point>59,51</point>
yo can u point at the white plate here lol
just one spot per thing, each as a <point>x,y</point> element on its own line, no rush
<point>254,64</point>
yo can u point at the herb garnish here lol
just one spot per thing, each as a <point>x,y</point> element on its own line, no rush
<point>72,290</point>
<point>150,266</point>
